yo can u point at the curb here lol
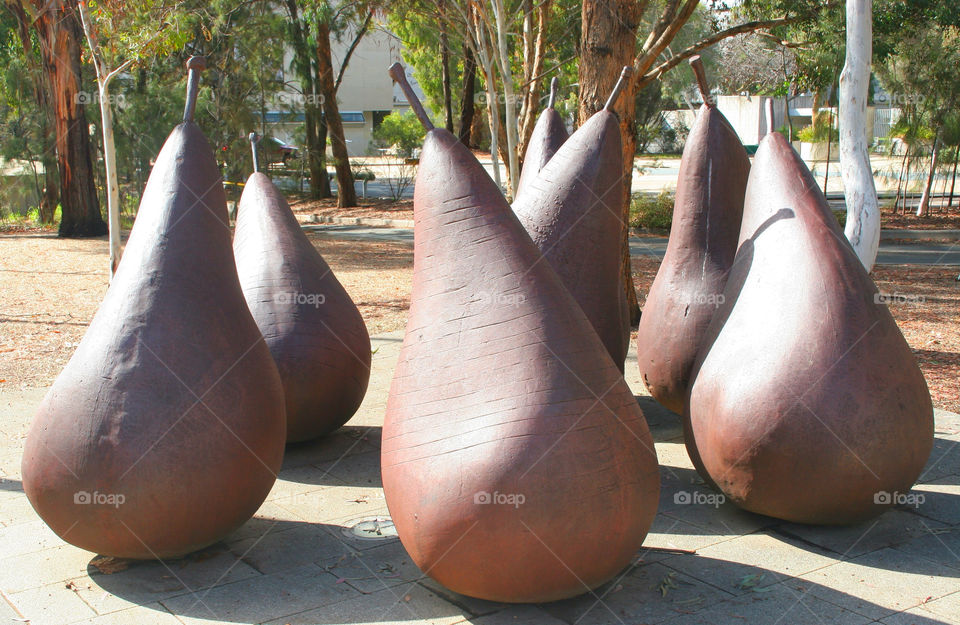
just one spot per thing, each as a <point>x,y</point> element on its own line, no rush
<point>375,222</point>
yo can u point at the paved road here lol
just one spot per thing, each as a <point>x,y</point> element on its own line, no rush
<point>890,253</point>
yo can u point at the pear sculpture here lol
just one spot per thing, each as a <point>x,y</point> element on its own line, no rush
<point>703,241</point>
<point>166,429</point>
<point>572,211</point>
<point>806,403</point>
<point>312,327</point>
<point>548,135</point>
<point>517,465</point>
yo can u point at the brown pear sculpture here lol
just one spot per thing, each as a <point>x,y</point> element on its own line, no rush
<point>166,429</point>
<point>703,241</point>
<point>549,133</point>
<point>312,327</point>
<point>806,402</point>
<point>572,211</point>
<point>517,465</point>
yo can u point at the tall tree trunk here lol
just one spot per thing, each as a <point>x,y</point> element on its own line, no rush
<point>59,30</point>
<point>924,207</point>
<point>953,182</point>
<point>346,194</point>
<point>445,69</point>
<point>906,184</point>
<point>303,66</point>
<point>49,195</point>
<point>104,77</point>
<point>467,95</point>
<point>608,42</point>
<point>863,208</point>
<point>534,45</point>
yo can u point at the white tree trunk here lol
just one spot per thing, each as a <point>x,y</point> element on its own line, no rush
<point>493,113</point>
<point>924,207</point>
<point>863,211</point>
<point>104,76</point>
<point>510,105</point>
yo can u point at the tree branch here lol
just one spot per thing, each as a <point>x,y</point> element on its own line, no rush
<point>747,27</point>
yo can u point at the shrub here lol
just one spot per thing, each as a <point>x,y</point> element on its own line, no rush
<point>654,212</point>
<point>401,131</point>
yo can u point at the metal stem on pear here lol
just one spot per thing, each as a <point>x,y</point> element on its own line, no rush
<point>696,63</point>
<point>195,65</point>
<point>253,148</point>
<point>769,108</point>
<point>400,77</point>
<point>621,83</point>
<point>554,88</point>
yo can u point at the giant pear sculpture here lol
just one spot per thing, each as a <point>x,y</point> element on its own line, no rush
<point>549,133</point>
<point>165,430</point>
<point>312,327</point>
<point>703,241</point>
<point>517,465</point>
<point>806,402</point>
<point>573,212</point>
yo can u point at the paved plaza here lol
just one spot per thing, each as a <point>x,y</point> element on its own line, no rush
<point>321,550</point>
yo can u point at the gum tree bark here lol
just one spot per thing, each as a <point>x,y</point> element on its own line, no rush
<point>346,194</point>
<point>863,210</point>
<point>59,30</point>
<point>608,42</point>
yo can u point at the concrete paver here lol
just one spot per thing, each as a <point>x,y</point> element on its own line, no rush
<point>297,561</point>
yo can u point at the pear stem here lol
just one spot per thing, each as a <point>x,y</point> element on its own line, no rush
<point>621,83</point>
<point>769,107</point>
<point>195,65</point>
<point>696,63</point>
<point>400,77</point>
<point>253,148</point>
<point>554,88</point>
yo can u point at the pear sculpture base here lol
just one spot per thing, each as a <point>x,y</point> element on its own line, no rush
<point>166,429</point>
<point>807,403</point>
<point>517,464</point>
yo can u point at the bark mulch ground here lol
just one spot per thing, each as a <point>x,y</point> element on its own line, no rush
<point>51,288</point>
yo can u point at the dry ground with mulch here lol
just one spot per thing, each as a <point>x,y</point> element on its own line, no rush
<point>50,288</point>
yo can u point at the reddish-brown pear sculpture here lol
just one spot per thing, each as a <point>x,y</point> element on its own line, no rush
<point>549,133</point>
<point>806,403</point>
<point>166,428</point>
<point>572,211</point>
<point>312,327</point>
<point>517,465</point>
<point>703,241</point>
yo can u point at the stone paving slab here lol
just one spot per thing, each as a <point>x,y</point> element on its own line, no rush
<point>298,561</point>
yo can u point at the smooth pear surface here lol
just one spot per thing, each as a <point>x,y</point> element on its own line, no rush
<point>549,133</point>
<point>166,429</point>
<point>807,403</point>
<point>313,329</point>
<point>572,211</point>
<point>689,285</point>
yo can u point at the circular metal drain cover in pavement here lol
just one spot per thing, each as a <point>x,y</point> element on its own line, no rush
<point>374,528</point>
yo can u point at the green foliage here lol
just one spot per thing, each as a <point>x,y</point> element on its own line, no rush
<point>653,212</point>
<point>819,131</point>
<point>404,132</point>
